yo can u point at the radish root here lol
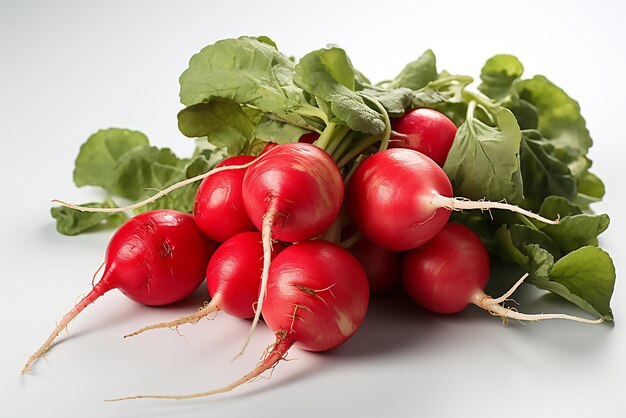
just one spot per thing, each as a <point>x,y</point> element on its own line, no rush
<point>266,236</point>
<point>276,354</point>
<point>156,196</point>
<point>193,318</point>
<point>456,203</point>
<point>494,307</point>
<point>97,291</point>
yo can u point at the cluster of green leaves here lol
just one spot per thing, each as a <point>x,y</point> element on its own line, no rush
<point>240,93</point>
<point>124,164</point>
<point>519,140</point>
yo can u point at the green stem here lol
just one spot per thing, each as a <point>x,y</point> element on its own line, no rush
<point>363,145</point>
<point>356,165</point>
<point>384,142</point>
<point>314,112</point>
<point>324,138</point>
<point>469,117</point>
<point>343,146</point>
<point>337,138</point>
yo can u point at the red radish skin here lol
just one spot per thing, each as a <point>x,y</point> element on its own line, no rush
<point>450,272</point>
<point>155,258</point>
<point>218,208</point>
<point>298,186</point>
<point>268,146</point>
<point>309,138</point>
<point>382,267</point>
<point>233,279</point>
<point>399,199</point>
<point>317,298</point>
<point>292,193</point>
<point>425,130</point>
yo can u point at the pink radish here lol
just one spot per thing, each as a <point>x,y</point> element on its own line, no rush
<point>309,138</point>
<point>218,209</point>
<point>399,199</point>
<point>155,258</point>
<point>381,266</point>
<point>317,298</point>
<point>292,193</point>
<point>450,272</point>
<point>233,279</point>
<point>425,130</point>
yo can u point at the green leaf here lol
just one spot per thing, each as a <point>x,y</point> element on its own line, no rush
<point>144,168</point>
<point>181,199</point>
<point>590,189</point>
<point>558,206</point>
<point>328,75</point>
<point>445,95</point>
<point>251,72</point>
<point>73,222</point>
<point>585,277</point>
<point>575,229</point>
<point>498,75</point>
<point>483,162</point>
<point>271,130</point>
<point>560,120</point>
<point>222,121</point>
<point>394,101</point>
<point>100,154</point>
<point>416,74</point>
<point>543,173</point>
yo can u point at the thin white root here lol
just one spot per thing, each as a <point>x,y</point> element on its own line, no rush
<point>494,307</point>
<point>156,196</point>
<point>512,290</point>
<point>98,290</point>
<point>266,236</point>
<point>455,203</point>
<point>277,353</point>
<point>206,310</point>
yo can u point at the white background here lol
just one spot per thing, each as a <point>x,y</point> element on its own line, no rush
<point>68,69</point>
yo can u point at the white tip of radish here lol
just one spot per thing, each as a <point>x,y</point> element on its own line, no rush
<point>494,307</point>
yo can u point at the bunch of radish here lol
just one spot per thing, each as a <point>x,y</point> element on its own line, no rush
<point>303,233</point>
<point>267,212</point>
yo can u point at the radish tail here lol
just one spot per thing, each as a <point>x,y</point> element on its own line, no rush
<point>156,196</point>
<point>454,203</point>
<point>493,306</point>
<point>277,353</point>
<point>98,290</point>
<point>266,236</point>
<point>206,310</point>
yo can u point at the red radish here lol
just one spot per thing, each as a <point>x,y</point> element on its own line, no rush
<point>309,138</point>
<point>292,193</point>
<point>450,272</point>
<point>317,298</point>
<point>268,146</point>
<point>155,258</point>
<point>218,209</point>
<point>233,278</point>
<point>425,130</point>
<point>381,266</point>
<point>399,199</point>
